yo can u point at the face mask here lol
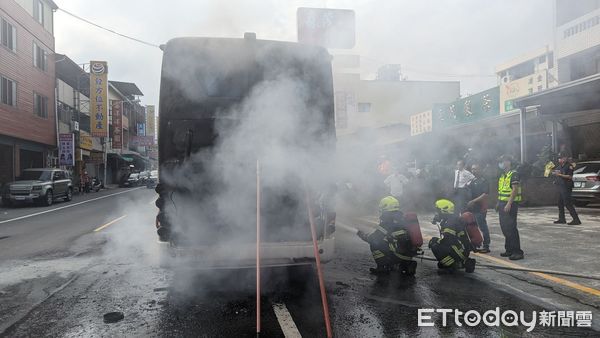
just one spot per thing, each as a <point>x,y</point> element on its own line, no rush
<point>501,165</point>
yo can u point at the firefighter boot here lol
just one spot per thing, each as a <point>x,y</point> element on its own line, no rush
<point>380,270</point>
<point>408,268</point>
<point>469,265</point>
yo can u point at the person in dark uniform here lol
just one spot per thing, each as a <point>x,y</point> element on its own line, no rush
<point>478,205</point>
<point>509,197</point>
<point>564,181</point>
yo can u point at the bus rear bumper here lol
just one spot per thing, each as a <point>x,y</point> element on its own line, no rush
<point>243,256</point>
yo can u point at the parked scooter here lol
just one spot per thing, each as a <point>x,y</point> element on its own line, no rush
<point>96,184</point>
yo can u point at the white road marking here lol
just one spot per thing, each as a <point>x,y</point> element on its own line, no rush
<point>109,223</point>
<point>289,328</point>
<point>66,206</point>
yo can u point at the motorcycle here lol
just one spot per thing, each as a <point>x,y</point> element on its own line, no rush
<point>96,184</point>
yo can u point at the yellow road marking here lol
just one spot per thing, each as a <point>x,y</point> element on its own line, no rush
<point>109,223</point>
<point>554,279</point>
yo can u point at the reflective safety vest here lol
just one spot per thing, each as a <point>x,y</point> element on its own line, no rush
<point>505,189</point>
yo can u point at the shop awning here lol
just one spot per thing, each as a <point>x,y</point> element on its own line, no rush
<point>575,96</point>
<point>121,157</point>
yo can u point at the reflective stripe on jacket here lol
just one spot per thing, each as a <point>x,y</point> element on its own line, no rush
<point>505,188</point>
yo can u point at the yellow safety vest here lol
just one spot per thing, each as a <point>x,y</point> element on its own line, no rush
<point>505,189</point>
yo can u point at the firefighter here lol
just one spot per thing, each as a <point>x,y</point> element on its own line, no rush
<point>390,243</point>
<point>452,249</point>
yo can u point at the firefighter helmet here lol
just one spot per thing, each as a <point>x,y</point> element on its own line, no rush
<point>444,206</point>
<point>389,203</point>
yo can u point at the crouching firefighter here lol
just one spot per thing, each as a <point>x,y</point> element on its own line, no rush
<point>396,240</point>
<point>460,235</point>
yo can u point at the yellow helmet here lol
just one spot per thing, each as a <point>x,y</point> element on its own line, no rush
<point>444,206</point>
<point>389,203</point>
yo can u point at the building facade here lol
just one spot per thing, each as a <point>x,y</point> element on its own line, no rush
<point>73,116</point>
<point>524,75</point>
<point>371,104</point>
<point>127,154</point>
<point>27,86</point>
<point>577,39</point>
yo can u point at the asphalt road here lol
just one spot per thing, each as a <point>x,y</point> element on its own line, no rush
<point>63,269</point>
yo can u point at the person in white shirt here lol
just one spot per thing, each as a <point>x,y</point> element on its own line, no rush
<point>462,177</point>
<point>395,182</point>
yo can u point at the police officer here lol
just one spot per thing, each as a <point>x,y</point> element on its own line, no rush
<point>509,197</point>
<point>564,182</point>
<point>388,239</point>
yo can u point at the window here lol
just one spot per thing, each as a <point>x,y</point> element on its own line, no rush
<point>530,91</point>
<point>40,57</point>
<point>65,113</point>
<point>542,59</point>
<point>38,11</point>
<point>364,107</point>
<point>539,78</point>
<point>8,91</point>
<point>539,88</point>
<point>40,105</point>
<point>9,35</point>
<point>530,80</point>
<point>59,175</point>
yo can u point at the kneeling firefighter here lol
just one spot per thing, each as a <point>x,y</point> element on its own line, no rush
<point>459,236</point>
<point>396,240</point>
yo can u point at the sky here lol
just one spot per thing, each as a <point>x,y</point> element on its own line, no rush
<point>432,40</point>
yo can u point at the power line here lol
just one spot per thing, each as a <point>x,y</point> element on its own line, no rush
<point>108,29</point>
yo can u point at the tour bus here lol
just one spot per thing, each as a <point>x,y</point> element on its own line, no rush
<point>245,125</point>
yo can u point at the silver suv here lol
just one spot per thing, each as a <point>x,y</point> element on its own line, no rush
<point>42,186</point>
<point>586,183</point>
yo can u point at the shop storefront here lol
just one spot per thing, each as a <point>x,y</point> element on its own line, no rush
<point>17,155</point>
<point>573,111</point>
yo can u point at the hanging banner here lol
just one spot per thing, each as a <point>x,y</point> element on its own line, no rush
<point>141,141</point>
<point>150,121</point>
<point>85,141</point>
<point>66,149</point>
<point>117,122</point>
<point>141,129</point>
<point>98,98</point>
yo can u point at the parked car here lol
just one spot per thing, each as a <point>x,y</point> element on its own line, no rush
<point>132,180</point>
<point>586,183</point>
<point>40,185</point>
<point>152,181</point>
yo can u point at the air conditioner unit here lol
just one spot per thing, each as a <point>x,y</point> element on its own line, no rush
<point>505,79</point>
<point>75,125</point>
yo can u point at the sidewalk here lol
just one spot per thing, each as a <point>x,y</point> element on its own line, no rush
<point>559,247</point>
<point>547,246</point>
